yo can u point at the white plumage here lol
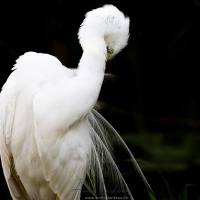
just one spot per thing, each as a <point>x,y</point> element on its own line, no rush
<point>52,140</point>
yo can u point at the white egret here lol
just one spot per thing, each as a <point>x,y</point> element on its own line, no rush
<point>52,140</point>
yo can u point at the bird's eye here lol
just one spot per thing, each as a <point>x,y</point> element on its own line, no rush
<point>110,52</point>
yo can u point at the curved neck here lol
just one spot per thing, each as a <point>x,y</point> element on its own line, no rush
<point>88,81</point>
<point>93,60</point>
<point>91,65</point>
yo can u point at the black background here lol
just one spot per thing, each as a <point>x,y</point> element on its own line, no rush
<point>154,99</point>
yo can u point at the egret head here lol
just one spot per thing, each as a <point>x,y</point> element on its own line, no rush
<point>107,24</point>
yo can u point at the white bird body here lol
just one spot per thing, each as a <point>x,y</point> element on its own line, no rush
<point>48,144</point>
<point>36,95</point>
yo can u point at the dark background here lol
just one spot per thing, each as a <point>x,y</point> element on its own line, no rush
<point>154,100</point>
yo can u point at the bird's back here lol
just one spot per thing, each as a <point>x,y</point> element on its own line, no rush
<point>31,73</point>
